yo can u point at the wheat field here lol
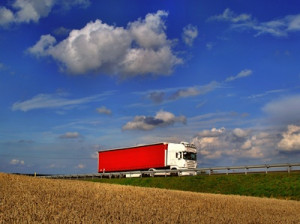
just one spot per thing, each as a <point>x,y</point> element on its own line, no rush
<point>36,200</point>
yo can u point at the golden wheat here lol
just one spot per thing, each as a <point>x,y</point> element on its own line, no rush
<point>36,200</point>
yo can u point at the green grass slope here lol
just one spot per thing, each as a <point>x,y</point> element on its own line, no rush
<point>272,185</point>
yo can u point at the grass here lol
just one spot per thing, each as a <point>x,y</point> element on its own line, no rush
<point>271,185</point>
<point>36,200</point>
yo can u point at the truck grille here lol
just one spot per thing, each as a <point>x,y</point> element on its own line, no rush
<point>191,164</point>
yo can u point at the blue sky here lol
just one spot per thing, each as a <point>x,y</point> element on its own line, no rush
<point>81,76</point>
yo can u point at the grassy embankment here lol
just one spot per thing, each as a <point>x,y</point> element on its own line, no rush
<point>272,185</point>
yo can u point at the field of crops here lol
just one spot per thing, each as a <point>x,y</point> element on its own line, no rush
<point>35,200</point>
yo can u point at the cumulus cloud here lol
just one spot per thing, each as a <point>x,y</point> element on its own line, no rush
<point>140,48</point>
<point>70,135</point>
<point>39,48</point>
<point>43,101</point>
<point>17,162</point>
<point>240,133</point>
<point>235,144</point>
<point>279,27</point>
<point>104,110</point>
<point>6,16</point>
<point>189,34</point>
<point>241,74</point>
<point>26,11</point>
<point>149,33</point>
<point>284,110</point>
<point>161,119</point>
<point>290,141</point>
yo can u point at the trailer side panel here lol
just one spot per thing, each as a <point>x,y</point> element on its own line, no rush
<point>135,158</point>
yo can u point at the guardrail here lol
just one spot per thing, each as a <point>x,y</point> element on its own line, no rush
<point>198,171</point>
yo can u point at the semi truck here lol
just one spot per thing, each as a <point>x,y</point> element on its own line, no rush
<point>151,157</point>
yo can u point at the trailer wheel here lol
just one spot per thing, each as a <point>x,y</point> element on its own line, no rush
<point>152,174</point>
<point>174,174</point>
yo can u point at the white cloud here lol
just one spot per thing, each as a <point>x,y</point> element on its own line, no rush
<point>67,4</point>
<point>209,45</point>
<point>189,34</point>
<point>2,66</point>
<point>236,144</point>
<point>17,162</point>
<point>104,110</point>
<point>161,119</point>
<point>284,110</point>
<point>290,139</point>
<point>39,48</point>
<point>241,74</point>
<point>42,101</point>
<point>266,93</point>
<point>6,16</point>
<point>194,91</point>
<point>240,133</point>
<point>26,11</point>
<point>149,33</point>
<point>294,23</point>
<point>156,96</point>
<point>32,10</point>
<point>159,96</point>
<point>69,135</point>
<point>94,155</point>
<point>61,31</point>
<point>182,93</point>
<point>140,48</point>
<point>278,27</point>
<point>80,166</point>
<point>229,15</point>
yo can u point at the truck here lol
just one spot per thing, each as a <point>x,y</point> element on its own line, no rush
<point>151,157</point>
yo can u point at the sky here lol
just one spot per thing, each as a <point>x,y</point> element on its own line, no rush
<point>81,76</point>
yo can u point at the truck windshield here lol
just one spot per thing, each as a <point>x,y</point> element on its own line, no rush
<point>189,156</point>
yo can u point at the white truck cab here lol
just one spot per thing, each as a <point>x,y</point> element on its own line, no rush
<point>181,156</point>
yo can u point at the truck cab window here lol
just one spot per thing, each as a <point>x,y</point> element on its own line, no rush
<point>189,156</point>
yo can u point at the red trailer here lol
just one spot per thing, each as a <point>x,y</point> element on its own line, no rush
<point>145,157</point>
